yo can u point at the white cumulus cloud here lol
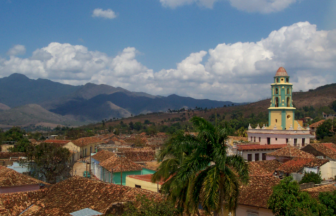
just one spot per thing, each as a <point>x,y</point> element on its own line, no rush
<point>17,50</point>
<point>107,14</point>
<point>239,72</point>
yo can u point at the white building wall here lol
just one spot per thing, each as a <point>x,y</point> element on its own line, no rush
<point>328,170</point>
<point>243,210</point>
<point>279,138</point>
<point>245,154</point>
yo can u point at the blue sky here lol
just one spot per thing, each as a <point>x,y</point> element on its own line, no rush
<point>158,46</point>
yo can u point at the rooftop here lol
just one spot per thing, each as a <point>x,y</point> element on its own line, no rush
<point>146,178</point>
<point>249,147</point>
<point>290,151</point>
<point>296,164</point>
<point>315,191</point>
<point>328,149</point>
<point>316,124</point>
<point>258,191</point>
<point>72,195</point>
<point>263,168</point>
<point>281,72</point>
<point>81,142</point>
<point>10,178</point>
<point>103,155</point>
<point>58,142</point>
<point>120,163</point>
<point>137,156</point>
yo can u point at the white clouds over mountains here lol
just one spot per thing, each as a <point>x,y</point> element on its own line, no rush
<point>239,72</point>
<point>262,6</point>
<point>107,14</point>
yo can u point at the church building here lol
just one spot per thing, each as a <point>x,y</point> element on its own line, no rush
<point>282,127</point>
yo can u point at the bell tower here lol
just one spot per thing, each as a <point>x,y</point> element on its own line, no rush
<point>281,112</point>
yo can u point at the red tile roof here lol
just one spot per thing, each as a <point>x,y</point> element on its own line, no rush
<point>315,191</point>
<point>249,147</point>
<point>62,142</point>
<point>138,156</point>
<point>296,164</point>
<point>103,155</point>
<point>281,72</point>
<point>72,195</point>
<point>81,142</point>
<point>290,151</point>
<point>257,191</point>
<point>116,164</point>
<point>146,178</point>
<point>10,178</point>
<point>328,149</point>
<point>316,124</point>
<point>263,168</point>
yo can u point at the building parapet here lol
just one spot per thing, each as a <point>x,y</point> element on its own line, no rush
<point>269,131</point>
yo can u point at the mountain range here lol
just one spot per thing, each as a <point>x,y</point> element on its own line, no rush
<point>25,101</point>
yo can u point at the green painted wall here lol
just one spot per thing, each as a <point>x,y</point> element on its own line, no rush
<point>116,176</point>
<point>147,171</point>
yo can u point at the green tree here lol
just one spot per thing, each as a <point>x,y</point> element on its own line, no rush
<point>151,130</point>
<point>138,126</point>
<point>49,161</point>
<point>199,171</point>
<point>287,199</point>
<point>147,121</point>
<point>311,177</point>
<point>329,200</point>
<point>131,125</point>
<point>144,206</point>
<point>333,106</point>
<point>324,130</point>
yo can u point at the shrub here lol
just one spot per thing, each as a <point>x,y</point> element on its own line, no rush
<point>311,177</point>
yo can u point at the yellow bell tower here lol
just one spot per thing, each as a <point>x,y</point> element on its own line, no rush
<point>281,112</point>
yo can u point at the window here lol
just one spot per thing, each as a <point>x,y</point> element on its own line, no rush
<point>256,157</point>
<point>249,157</point>
<point>254,139</point>
<point>288,102</point>
<point>276,120</point>
<point>282,80</point>
<point>295,142</point>
<point>288,116</point>
<point>276,102</point>
<point>303,141</point>
<point>287,141</point>
<point>288,91</point>
<point>276,91</point>
<point>287,80</point>
<point>259,139</point>
<point>251,139</point>
<point>276,139</point>
<point>268,140</point>
<point>138,186</point>
<point>263,156</point>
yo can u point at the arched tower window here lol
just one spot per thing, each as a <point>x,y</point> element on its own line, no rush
<point>276,102</point>
<point>288,102</point>
<point>276,91</point>
<point>288,91</point>
<point>287,79</point>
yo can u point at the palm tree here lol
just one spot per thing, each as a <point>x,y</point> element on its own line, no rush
<point>197,170</point>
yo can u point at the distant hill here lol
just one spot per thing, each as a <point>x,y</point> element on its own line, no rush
<point>125,104</point>
<point>4,107</point>
<point>17,90</point>
<point>319,97</point>
<point>33,114</point>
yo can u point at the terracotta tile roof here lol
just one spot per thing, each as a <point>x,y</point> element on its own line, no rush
<point>10,178</point>
<point>6,155</point>
<point>258,191</point>
<point>146,155</point>
<point>103,155</point>
<point>146,178</point>
<point>72,195</point>
<point>120,163</point>
<point>263,168</point>
<point>81,142</point>
<point>281,72</point>
<point>316,124</point>
<point>290,151</point>
<point>296,164</point>
<point>315,191</point>
<point>249,147</point>
<point>58,142</point>
<point>328,149</point>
